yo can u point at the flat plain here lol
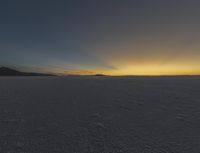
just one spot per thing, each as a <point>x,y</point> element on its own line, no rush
<point>100,114</point>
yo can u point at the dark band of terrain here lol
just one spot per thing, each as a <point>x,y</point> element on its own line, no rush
<point>99,114</point>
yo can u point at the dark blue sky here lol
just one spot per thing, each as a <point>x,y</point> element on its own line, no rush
<point>110,36</point>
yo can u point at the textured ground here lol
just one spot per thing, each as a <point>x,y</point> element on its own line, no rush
<point>99,115</point>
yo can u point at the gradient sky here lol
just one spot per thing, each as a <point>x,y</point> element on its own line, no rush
<point>117,37</point>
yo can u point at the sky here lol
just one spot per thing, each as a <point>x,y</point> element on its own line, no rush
<point>114,37</point>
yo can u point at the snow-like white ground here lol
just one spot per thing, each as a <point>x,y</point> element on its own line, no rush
<point>100,115</point>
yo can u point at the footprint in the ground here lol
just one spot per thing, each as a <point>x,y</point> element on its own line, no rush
<point>125,107</point>
<point>181,117</point>
<point>100,125</point>
<point>97,121</point>
<point>96,116</point>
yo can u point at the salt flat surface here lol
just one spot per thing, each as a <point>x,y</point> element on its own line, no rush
<point>99,115</point>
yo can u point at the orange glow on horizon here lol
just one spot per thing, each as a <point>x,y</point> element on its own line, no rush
<point>81,72</point>
<point>143,65</point>
<point>141,71</point>
<point>157,70</point>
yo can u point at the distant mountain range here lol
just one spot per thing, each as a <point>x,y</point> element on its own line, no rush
<point>5,71</point>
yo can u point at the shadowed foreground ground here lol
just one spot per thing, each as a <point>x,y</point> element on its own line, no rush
<point>99,115</point>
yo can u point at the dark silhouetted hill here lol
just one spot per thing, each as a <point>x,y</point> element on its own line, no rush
<point>4,71</point>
